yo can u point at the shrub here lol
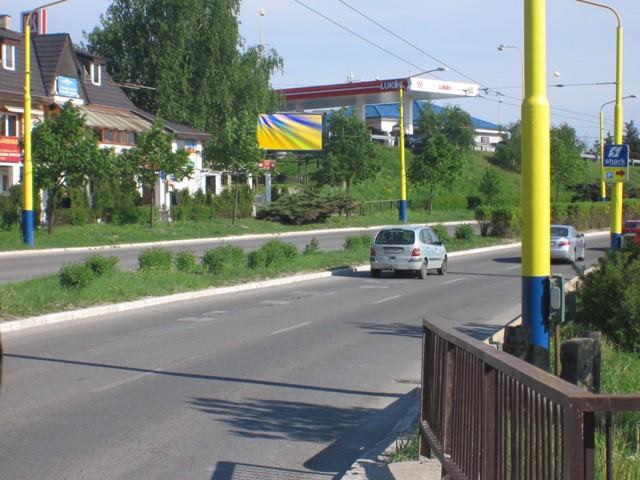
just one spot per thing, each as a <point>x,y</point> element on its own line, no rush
<point>441,232</point>
<point>483,216</point>
<point>473,202</point>
<point>312,246</point>
<point>76,275</point>
<point>223,204</point>
<point>73,216</point>
<point>225,258</point>
<point>155,260</point>
<point>274,252</point>
<point>464,232</point>
<point>100,265</point>
<point>306,207</point>
<point>503,222</point>
<point>357,242</point>
<point>610,298</point>
<point>185,261</point>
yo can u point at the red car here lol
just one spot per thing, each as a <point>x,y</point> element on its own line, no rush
<point>632,227</point>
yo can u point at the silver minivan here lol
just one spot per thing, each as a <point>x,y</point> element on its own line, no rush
<point>407,248</point>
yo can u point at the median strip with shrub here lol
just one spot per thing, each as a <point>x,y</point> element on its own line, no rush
<point>97,281</point>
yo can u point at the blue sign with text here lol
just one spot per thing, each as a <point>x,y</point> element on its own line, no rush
<point>616,156</point>
<point>67,87</point>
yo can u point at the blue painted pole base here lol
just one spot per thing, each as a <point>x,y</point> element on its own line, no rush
<point>403,211</point>
<point>27,227</point>
<point>616,241</point>
<point>535,309</point>
<point>603,199</point>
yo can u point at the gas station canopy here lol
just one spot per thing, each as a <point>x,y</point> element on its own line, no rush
<point>373,92</point>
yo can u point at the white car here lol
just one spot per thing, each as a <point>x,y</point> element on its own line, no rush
<point>567,244</point>
<point>407,248</point>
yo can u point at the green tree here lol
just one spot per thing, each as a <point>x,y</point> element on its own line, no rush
<point>438,164</point>
<point>453,122</point>
<point>632,138</point>
<point>567,168</point>
<point>235,149</point>
<point>153,156</point>
<point>509,150</point>
<point>350,155</point>
<point>191,53</point>
<point>65,153</point>
<point>491,184</point>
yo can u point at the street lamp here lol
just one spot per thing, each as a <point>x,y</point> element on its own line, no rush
<point>603,185</point>
<point>502,47</point>
<point>403,168</point>
<point>27,176</point>
<point>616,208</point>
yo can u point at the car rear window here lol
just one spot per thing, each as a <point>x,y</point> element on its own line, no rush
<point>559,231</point>
<point>396,237</point>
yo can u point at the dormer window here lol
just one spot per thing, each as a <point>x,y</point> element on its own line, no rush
<point>96,74</point>
<point>8,56</point>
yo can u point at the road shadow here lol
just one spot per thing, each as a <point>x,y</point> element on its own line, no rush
<point>479,331</point>
<point>508,260</point>
<point>479,274</point>
<point>212,378</point>
<point>347,272</point>
<point>349,431</point>
<point>248,471</point>
<point>395,329</point>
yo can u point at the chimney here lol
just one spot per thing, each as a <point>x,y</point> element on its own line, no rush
<point>5,22</point>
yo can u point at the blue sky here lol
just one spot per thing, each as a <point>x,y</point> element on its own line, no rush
<point>462,33</point>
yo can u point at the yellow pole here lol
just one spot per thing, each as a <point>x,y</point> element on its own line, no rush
<point>603,184</point>
<point>403,168</point>
<point>27,179</point>
<point>616,208</point>
<point>536,178</point>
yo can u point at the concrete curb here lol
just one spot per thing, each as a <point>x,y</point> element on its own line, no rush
<point>194,241</point>
<point>51,318</point>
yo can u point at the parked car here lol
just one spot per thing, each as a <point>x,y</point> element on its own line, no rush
<point>567,244</point>
<point>408,248</point>
<point>632,228</point>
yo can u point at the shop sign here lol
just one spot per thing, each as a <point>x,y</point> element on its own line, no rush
<point>10,150</point>
<point>67,87</point>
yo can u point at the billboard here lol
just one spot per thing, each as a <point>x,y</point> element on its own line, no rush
<point>290,131</point>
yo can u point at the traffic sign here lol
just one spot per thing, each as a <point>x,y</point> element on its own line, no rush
<point>615,163</point>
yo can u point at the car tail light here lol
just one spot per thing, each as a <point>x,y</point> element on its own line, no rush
<point>372,252</point>
<point>563,243</point>
<point>415,252</point>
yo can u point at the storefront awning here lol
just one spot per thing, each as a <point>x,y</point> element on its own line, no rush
<point>117,120</point>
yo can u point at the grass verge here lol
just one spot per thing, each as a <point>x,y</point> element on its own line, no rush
<point>45,295</point>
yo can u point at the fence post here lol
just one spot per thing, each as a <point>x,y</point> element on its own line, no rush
<point>489,419</point>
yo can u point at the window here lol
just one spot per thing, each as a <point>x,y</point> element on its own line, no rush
<point>96,74</point>
<point>484,140</point>
<point>8,56</point>
<point>8,125</point>
<point>117,137</point>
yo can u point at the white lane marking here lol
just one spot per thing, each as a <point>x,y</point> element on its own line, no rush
<point>453,281</point>
<point>374,286</point>
<point>214,313</point>
<point>304,324</point>
<point>275,302</point>
<point>124,381</point>
<point>388,299</point>
<point>196,319</point>
<point>513,267</point>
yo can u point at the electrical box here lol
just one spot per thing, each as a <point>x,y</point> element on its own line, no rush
<point>556,299</point>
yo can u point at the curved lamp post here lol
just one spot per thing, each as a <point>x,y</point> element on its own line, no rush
<point>27,176</point>
<point>403,168</point>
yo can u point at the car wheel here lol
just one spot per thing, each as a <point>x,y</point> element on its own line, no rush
<point>443,268</point>
<point>424,271</point>
<point>375,272</point>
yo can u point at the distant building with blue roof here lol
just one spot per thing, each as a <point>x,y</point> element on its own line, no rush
<point>384,122</point>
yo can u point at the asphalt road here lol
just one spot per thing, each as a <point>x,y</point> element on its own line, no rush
<point>281,383</point>
<point>18,266</point>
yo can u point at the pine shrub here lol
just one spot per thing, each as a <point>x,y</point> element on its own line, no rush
<point>185,261</point>
<point>357,242</point>
<point>155,260</point>
<point>441,232</point>
<point>464,232</point>
<point>76,275</point>
<point>274,252</point>
<point>100,265</point>
<point>223,259</point>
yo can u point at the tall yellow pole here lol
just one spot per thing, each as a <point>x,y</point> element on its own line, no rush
<point>403,168</point>
<point>27,178</point>
<point>616,208</point>
<point>536,179</point>
<point>603,184</point>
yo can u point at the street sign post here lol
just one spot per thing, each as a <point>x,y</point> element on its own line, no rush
<point>615,163</point>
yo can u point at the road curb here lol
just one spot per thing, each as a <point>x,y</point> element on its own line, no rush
<point>194,241</point>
